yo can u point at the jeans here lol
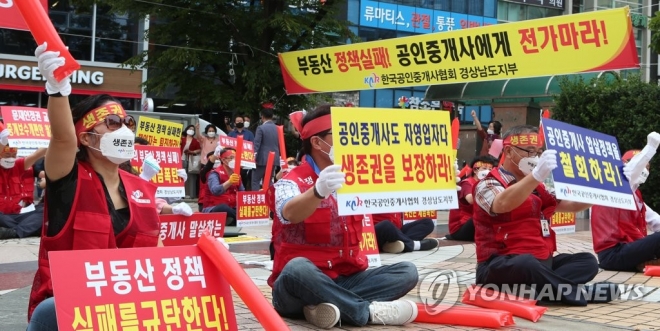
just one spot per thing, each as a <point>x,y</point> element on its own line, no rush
<point>43,317</point>
<point>26,224</point>
<point>626,257</point>
<point>223,208</point>
<point>387,232</point>
<point>301,283</point>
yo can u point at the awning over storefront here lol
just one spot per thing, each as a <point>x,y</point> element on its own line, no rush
<point>510,90</point>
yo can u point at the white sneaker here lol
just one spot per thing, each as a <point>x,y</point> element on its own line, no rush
<point>394,247</point>
<point>325,315</point>
<point>398,312</point>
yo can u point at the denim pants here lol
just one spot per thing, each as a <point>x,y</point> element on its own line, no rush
<point>223,208</point>
<point>43,317</point>
<point>301,283</point>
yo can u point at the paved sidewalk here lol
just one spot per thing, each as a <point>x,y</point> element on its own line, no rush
<point>18,263</point>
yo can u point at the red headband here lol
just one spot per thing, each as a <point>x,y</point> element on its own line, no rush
<point>10,149</point>
<point>629,155</point>
<point>98,115</point>
<point>316,126</point>
<point>227,153</point>
<point>522,140</point>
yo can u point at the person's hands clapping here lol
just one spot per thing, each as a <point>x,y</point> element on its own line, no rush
<point>330,179</point>
<point>48,62</point>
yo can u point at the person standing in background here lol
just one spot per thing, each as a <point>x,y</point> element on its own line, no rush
<point>266,140</point>
<point>241,125</point>
<point>486,136</point>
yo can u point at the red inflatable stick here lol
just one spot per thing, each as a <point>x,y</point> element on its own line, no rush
<point>492,294</point>
<point>652,270</point>
<point>239,154</point>
<point>241,283</point>
<point>546,113</point>
<point>269,171</point>
<point>517,308</point>
<point>43,31</point>
<point>280,134</point>
<point>466,171</point>
<point>455,128</point>
<point>466,316</point>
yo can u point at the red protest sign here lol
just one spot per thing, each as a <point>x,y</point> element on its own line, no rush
<point>368,244</point>
<point>179,230</point>
<point>159,288</point>
<point>29,126</point>
<point>251,209</point>
<point>11,16</point>
<point>168,181</point>
<point>412,216</point>
<point>247,157</point>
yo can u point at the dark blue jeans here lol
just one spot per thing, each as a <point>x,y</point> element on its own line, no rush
<point>301,283</point>
<point>626,257</point>
<point>43,317</point>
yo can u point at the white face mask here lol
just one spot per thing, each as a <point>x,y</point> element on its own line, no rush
<point>216,164</point>
<point>118,146</point>
<point>489,131</point>
<point>246,124</point>
<point>331,153</point>
<point>190,132</point>
<point>231,164</point>
<point>8,162</point>
<point>642,178</point>
<point>482,174</point>
<point>211,134</point>
<point>527,164</point>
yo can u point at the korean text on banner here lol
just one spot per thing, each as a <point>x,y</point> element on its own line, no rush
<point>170,185</point>
<point>412,216</point>
<point>394,160</point>
<point>369,244</point>
<point>563,223</point>
<point>141,289</point>
<point>247,159</point>
<point>159,132</point>
<point>251,209</point>
<point>29,126</point>
<point>179,230</point>
<point>592,41</point>
<point>589,168</point>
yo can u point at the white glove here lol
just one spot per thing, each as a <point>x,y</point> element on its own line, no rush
<point>4,137</point>
<point>547,163</point>
<point>652,219</point>
<point>653,139</point>
<point>218,150</point>
<point>458,188</point>
<point>633,169</point>
<point>282,163</point>
<point>330,180</point>
<point>48,62</point>
<point>458,180</point>
<point>150,168</point>
<point>182,174</point>
<point>182,209</point>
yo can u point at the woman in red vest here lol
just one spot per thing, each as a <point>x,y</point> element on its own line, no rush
<point>619,235</point>
<point>222,185</point>
<point>515,244</point>
<point>461,225</point>
<point>89,203</point>
<point>317,249</point>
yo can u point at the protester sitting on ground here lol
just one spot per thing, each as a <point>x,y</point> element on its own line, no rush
<point>291,164</point>
<point>87,203</point>
<point>17,181</point>
<point>394,237</point>
<point>515,243</point>
<point>620,236</point>
<point>319,270</point>
<point>223,185</point>
<point>461,226</point>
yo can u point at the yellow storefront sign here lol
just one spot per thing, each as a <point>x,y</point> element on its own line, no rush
<point>592,41</point>
<point>394,160</point>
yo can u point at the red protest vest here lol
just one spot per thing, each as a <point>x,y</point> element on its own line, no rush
<point>611,226</point>
<point>228,197</point>
<point>395,218</point>
<point>458,217</point>
<point>89,225</point>
<point>14,187</point>
<point>518,231</point>
<point>330,241</point>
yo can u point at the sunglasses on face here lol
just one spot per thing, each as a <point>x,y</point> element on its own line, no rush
<point>114,122</point>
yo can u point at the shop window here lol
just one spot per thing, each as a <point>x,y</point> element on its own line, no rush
<point>476,7</point>
<point>459,6</point>
<point>353,11</point>
<point>490,8</point>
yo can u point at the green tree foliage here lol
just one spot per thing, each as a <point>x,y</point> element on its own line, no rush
<point>626,109</point>
<point>212,37</point>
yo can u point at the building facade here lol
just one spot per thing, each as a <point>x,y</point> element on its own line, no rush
<point>98,39</point>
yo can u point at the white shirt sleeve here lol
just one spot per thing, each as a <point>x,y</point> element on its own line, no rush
<point>652,219</point>
<point>285,190</point>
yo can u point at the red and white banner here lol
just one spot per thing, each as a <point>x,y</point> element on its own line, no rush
<point>247,159</point>
<point>168,181</point>
<point>29,126</point>
<point>251,209</point>
<point>368,244</point>
<point>159,288</point>
<point>412,216</point>
<point>179,230</point>
<point>10,16</point>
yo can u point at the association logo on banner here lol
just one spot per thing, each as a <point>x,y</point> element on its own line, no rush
<point>179,230</point>
<point>167,180</point>
<point>29,127</point>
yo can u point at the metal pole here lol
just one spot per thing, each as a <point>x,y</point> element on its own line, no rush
<point>93,33</point>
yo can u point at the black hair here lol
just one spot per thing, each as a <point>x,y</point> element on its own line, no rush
<point>497,127</point>
<point>321,110</point>
<point>141,141</point>
<point>81,109</point>
<point>209,127</point>
<point>184,133</point>
<point>485,159</point>
<point>239,116</point>
<point>267,113</point>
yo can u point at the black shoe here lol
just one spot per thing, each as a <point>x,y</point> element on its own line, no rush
<point>7,233</point>
<point>603,292</point>
<point>428,244</point>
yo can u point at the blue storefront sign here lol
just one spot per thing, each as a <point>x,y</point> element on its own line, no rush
<point>418,20</point>
<point>589,166</point>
